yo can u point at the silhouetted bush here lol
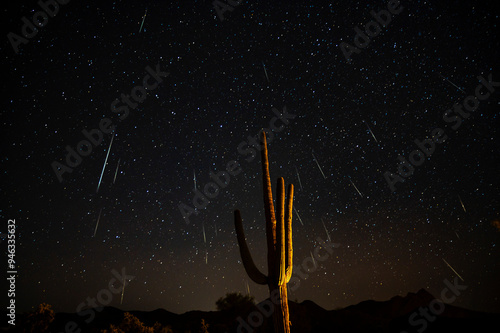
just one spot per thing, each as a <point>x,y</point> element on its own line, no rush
<point>235,303</point>
<point>203,327</point>
<point>39,320</point>
<point>132,324</point>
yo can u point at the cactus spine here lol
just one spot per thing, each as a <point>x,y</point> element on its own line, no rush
<point>279,244</point>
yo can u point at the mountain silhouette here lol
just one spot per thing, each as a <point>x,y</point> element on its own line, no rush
<point>396,315</point>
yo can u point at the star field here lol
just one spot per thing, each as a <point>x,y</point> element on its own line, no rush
<point>355,116</point>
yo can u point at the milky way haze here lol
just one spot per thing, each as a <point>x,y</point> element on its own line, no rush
<point>129,136</point>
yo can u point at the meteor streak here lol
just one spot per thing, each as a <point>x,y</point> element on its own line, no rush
<point>123,291</point>
<point>356,188</point>
<point>452,83</point>
<point>300,183</point>
<point>298,216</point>
<point>461,202</point>
<point>248,287</point>
<point>371,131</point>
<point>265,72</point>
<point>327,233</point>
<point>97,224</point>
<point>453,269</point>
<point>144,17</point>
<point>204,236</point>
<point>194,178</point>
<point>315,160</point>
<point>116,170</point>
<point>312,257</point>
<point>105,162</point>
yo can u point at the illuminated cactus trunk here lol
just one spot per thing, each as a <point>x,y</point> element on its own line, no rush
<point>279,245</point>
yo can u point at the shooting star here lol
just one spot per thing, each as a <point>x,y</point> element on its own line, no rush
<point>457,235</point>
<point>370,131</point>
<point>327,233</point>
<point>298,216</point>
<point>444,78</point>
<point>265,72</point>
<point>204,236</point>
<point>300,183</point>
<point>312,257</point>
<point>319,166</point>
<point>116,172</point>
<point>97,224</point>
<point>123,291</point>
<point>105,162</point>
<point>356,188</point>
<point>194,178</point>
<point>248,287</point>
<point>144,17</point>
<point>453,270</point>
<point>461,202</point>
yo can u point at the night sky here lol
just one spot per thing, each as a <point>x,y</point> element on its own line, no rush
<point>220,83</point>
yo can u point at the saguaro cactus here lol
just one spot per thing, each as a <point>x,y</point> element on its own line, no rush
<point>279,245</point>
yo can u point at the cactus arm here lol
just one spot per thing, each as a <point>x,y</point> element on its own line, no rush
<point>252,271</point>
<point>288,231</point>
<point>268,208</point>
<point>280,232</point>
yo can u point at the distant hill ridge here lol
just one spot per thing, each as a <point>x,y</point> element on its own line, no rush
<point>371,316</point>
